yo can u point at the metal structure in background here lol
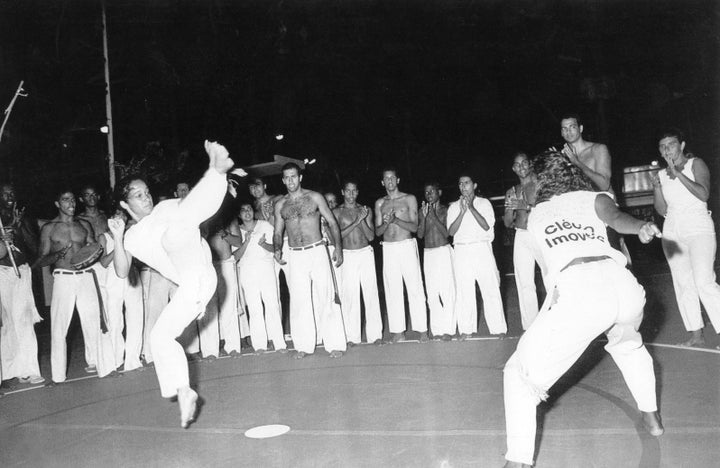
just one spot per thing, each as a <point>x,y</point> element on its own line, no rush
<point>108,104</point>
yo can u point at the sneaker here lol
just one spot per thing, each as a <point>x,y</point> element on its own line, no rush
<point>91,369</point>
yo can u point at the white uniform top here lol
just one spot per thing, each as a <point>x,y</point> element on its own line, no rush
<point>254,252</point>
<point>567,227</point>
<point>470,231</point>
<point>144,239</point>
<point>678,198</point>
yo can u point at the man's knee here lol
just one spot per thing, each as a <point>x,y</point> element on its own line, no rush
<point>517,381</point>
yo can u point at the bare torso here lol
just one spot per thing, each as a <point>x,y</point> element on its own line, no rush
<point>97,220</point>
<point>435,235</point>
<point>400,206</point>
<point>356,238</point>
<point>302,219</point>
<point>76,233</point>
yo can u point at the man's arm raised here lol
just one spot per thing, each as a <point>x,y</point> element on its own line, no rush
<point>121,258</point>
<point>623,223</point>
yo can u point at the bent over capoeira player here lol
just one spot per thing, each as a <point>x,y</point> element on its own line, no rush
<point>589,292</point>
<point>167,238</point>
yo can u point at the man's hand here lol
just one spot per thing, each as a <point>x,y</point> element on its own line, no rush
<point>424,208</point>
<point>63,252</point>
<point>364,212</point>
<point>569,151</point>
<point>671,169</point>
<point>648,231</point>
<point>278,257</point>
<point>17,214</point>
<point>463,205</point>
<point>261,241</point>
<point>337,257</point>
<point>7,235</point>
<point>117,228</point>
<point>389,217</point>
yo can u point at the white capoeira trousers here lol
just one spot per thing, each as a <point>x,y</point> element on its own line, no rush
<point>157,291</point>
<point>690,246</point>
<point>259,285</point>
<point>476,263</point>
<point>197,281</point>
<point>401,262</point>
<point>441,289</point>
<point>225,301</point>
<point>310,284</point>
<point>128,292</point>
<point>358,273</point>
<point>525,255</point>
<point>591,298</point>
<point>76,288</point>
<point>19,348</point>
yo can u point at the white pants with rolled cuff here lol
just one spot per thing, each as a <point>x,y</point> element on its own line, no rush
<point>401,262</point>
<point>358,273</point>
<point>476,263</point>
<point>311,300</point>
<point>525,255</point>
<point>260,289</point>
<point>589,299</point>
<point>441,289</point>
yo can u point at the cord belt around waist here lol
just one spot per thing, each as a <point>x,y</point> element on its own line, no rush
<point>581,260</point>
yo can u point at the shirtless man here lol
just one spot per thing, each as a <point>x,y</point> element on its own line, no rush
<point>92,214</point>
<point>60,238</point>
<point>438,263</point>
<point>519,200</point>
<point>358,270</point>
<point>471,222</point>
<point>310,279</point>
<point>396,220</point>
<point>593,159</point>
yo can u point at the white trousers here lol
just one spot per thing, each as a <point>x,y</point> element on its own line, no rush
<point>157,291</point>
<point>18,343</point>
<point>525,255</point>
<point>690,247</point>
<point>441,289</point>
<point>476,263</point>
<point>77,289</point>
<point>259,285</point>
<point>401,262</point>
<point>196,283</point>
<point>128,292</point>
<point>243,316</point>
<point>311,300</point>
<point>225,301</point>
<point>358,274</point>
<point>589,299</point>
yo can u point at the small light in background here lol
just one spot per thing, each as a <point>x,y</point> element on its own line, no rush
<point>653,163</point>
<point>279,136</point>
<point>104,129</point>
<point>309,161</point>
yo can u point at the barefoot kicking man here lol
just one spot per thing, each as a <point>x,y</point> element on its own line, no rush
<point>167,238</point>
<point>591,292</point>
<point>396,220</point>
<point>310,280</point>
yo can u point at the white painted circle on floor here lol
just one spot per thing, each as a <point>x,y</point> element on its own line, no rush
<point>264,432</point>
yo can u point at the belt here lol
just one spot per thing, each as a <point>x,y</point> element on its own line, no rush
<point>581,260</point>
<point>309,246</point>
<point>70,272</point>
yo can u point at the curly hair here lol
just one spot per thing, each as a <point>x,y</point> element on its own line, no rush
<point>557,175</point>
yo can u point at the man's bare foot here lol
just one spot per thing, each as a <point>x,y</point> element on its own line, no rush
<point>282,350</point>
<point>652,423</point>
<point>696,340</point>
<point>424,337</point>
<point>351,344</point>
<point>502,336</point>
<point>398,337</point>
<point>463,337</point>
<point>187,399</point>
<point>219,157</point>
<point>300,355</point>
<point>336,354</point>
<point>446,337</point>
<point>378,342</point>
<point>259,351</point>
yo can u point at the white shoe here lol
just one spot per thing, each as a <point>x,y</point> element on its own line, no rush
<point>33,379</point>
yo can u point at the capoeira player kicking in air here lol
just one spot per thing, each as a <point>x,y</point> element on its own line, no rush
<point>589,292</point>
<point>167,238</point>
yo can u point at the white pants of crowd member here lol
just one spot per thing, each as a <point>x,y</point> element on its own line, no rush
<point>476,263</point>
<point>225,301</point>
<point>128,292</point>
<point>358,273</point>
<point>284,268</point>
<point>196,283</point>
<point>441,289</point>
<point>259,285</point>
<point>73,288</point>
<point>18,343</point>
<point>690,247</point>
<point>591,298</point>
<point>310,284</point>
<point>401,262</point>
<point>525,255</point>
<point>157,292</point>
<point>242,303</point>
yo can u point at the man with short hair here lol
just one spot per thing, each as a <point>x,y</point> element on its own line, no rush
<point>92,214</point>
<point>60,238</point>
<point>18,314</point>
<point>438,263</point>
<point>519,200</point>
<point>182,189</point>
<point>471,222</point>
<point>358,270</point>
<point>310,280</point>
<point>396,220</point>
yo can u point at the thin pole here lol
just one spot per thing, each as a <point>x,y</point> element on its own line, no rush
<point>108,104</point>
<point>19,92</point>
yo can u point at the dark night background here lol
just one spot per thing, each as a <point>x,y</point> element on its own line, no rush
<point>431,87</point>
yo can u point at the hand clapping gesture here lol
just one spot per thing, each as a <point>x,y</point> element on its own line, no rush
<point>389,217</point>
<point>569,151</point>
<point>117,227</point>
